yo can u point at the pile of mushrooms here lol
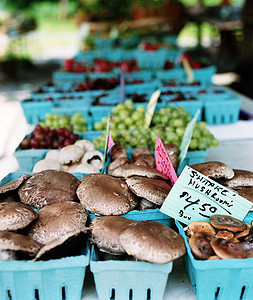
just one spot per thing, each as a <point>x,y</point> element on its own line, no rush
<point>224,237</point>
<point>41,217</point>
<point>81,157</point>
<point>119,238</point>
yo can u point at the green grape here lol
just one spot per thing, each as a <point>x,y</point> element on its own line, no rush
<point>98,126</point>
<point>196,133</point>
<point>215,142</point>
<point>180,131</point>
<point>178,123</point>
<point>104,120</point>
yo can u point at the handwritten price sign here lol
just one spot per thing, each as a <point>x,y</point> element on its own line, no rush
<point>163,162</point>
<point>195,197</point>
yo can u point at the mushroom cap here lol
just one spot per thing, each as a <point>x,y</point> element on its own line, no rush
<point>103,194</point>
<point>93,155</point>
<point>154,190</point>
<point>214,169</point>
<point>246,192</point>
<point>200,245</point>
<point>201,226</point>
<point>129,170</point>
<point>47,187</point>
<point>152,241</point>
<point>53,154</point>
<point>15,215</point>
<point>149,160</point>
<point>118,151</point>
<point>13,185</point>
<point>68,244</point>
<point>140,151</point>
<point>56,220</point>
<point>225,234</point>
<point>18,242</point>
<point>241,178</point>
<point>227,222</point>
<point>171,148</point>
<point>86,168</point>
<point>105,233</point>
<point>86,145</point>
<point>117,162</point>
<point>46,164</point>
<point>70,154</point>
<point>145,204</point>
<point>226,249</point>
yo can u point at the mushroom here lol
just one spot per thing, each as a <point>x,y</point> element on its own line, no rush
<point>70,154</point>
<point>145,159</point>
<point>15,244</point>
<point>224,234</point>
<point>118,151</point>
<point>200,245</point>
<point>152,241</point>
<point>46,164</point>
<point>199,226</point>
<point>173,152</point>
<point>86,168</point>
<point>103,194</point>
<point>53,154</point>
<point>13,185</point>
<point>94,157</point>
<point>86,145</point>
<point>214,169</point>
<point>15,215</point>
<point>129,170</point>
<point>117,162</point>
<point>226,249</point>
<point>47,187</point>
<point>105,233</point>
<point>154,190</point>
<point>140,151</point>
<point>56,220</point>
<point>227,222</point>
<point>242,178</point>
<point>145,204</point>
<point>69,244</point>
<point>246,192</point>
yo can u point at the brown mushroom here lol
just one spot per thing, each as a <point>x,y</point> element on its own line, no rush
<point>214,169</point>
<point>105,233</point>
<point>246,192</point>
<point>240,178</point>
<point>48,187</point>
<point>10,241</point>
<point>13,185</point>
<point>56,220</point>
<point>225,234</point>
<point>243,234</point>
<point>173,152</point>
<point>15,215</point>
<point>200,226</point>
<point>152,241</point>
<point>103,194</point>
<point>118,151</point>
<point>154,190</point>
<point>145,159</point>
<point>140,151</point>
<point>145,204</point>
<point>117,162</point>
<point>226,249</point>
<point>227,222</point>
<point>200,245</point>
<point>69,244</point>
<point>131,170</point>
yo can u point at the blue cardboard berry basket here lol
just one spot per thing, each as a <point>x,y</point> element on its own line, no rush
<point>43,280</point>
<point>219,279</point>
<point>224,111</point>
<point>35,110</point>
<point>152,59</point>
<point>125,280</point>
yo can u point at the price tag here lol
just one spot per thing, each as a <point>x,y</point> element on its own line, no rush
<point>188,70</point>
<point>107,137</point>
<point>122,86</point>
<point>187,138</point>
<point>163,162</point>
<point>151,107</point>
<point>110,143</point>
<point>195,197</point>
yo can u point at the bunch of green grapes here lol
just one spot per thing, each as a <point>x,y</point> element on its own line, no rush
<point>76,123</point>
<point>169,123</point>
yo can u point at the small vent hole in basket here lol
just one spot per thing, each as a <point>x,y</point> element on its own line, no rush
<point>36,294</point>
<point>63,293</point>
<point>242,292</point>
<point>217,293</point>
<point>112,295</point>
<point>148,294</point>
<point>131,294</point>
<point>214,119</point>
<point>9,294</point>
